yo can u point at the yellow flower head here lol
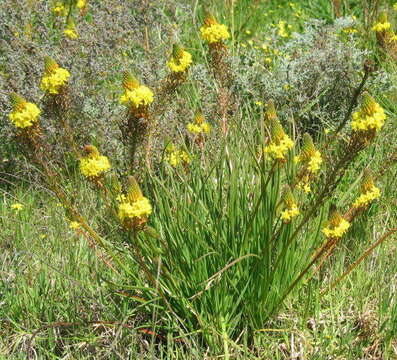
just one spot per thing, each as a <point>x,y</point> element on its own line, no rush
<point>74,225</point>
<point>382,24</point>
<point>369,192</point>
<point>135,206</point>
<point>24,113</point>
<point>135,95</point>
<point>54,77</point>
<point>337,226</point>
<point>309,155</point>
<point>93,164</point>
<point>199,125</point>
<point>176,156</point>
<point>59,9</point>
<point>180,60</point>
<point>212,31</point>
<point>370,116</point>
<point>282,29</point>
<point>291,208</point>
<point>17,207</point>
<point>81,4</point>
<point>280,142</point>
<point>70,30</point>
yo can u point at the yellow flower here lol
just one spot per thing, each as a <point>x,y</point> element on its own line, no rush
<point>17,207</point>
<point>74,225</point>
<point>370,115</point>
<point>366,198</point>
<point>337,231</point>
<point>180,60</point>
<point>291,208</point>
<point>381,26</point>
<point>278,150</point>
<point>290,213</point>
<point>59,9</point>
<point>24,113</point>
<point>94,164</point>
<point>337,226</point>
<point>71,33</point>
<point>282,31</point>
<point>175,156</point>
<point>315,162</point>
<point>54,77</point>
<point>199,125</point>
<point>214,32</point>
<point>81,4</point>
<point>137,209</point>
<point>350,30</point>
<point>140,96</point>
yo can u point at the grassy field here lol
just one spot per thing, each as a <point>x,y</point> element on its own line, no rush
<point>220,267</point>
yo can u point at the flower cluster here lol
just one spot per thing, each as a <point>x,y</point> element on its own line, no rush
<point>176,156</point>
<point>311,159</point>
<point>280,142</point>
<point>282,29</point>
<point>70,30</point>
<point>54,77</point>
<point>180,60</point>
<point>337,226</point>
<point>369,192</point>
<point>370,116</point>
<point>81,4</point>
<point>135,94</point>
<point>212,31</point>
<point>382,24</point>
<point>291,207</point>
<point>134,206</point>
<point>24,113</point>
<point>93,164</point>
<point>59,9</point>
<point>199,125</point>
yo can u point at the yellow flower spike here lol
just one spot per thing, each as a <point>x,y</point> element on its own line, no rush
<point>130,82</point>
<point>291,207</point>
<point>24,113</point>
<point>212,31</point>
<point>370,115</point>
<point>70,30</point>
<point>81,4</point>
<point>180,60</point>
<point>74,225</point>
<point>337,226</point>
<point>136,206</point>
<point>17,207</point>
<point>382,24</point>
<point>135,95</point>
<point>280,142</point>
<point>270,112</point>
<point>369,192</point>
<point>134,191</point>
<point>176,156</point>
<point>93,165</point>
<point>199,125</point>
<point>310,155</point>
<point>59,9</point>
<point>54,77</point>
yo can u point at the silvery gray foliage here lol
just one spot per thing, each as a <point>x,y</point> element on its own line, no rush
<point>314,77</point>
